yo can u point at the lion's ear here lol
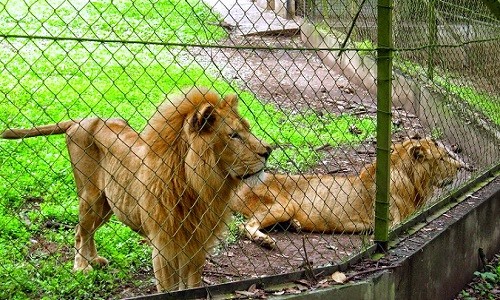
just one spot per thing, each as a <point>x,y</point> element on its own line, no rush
<point>203,120</point>
<point>231,100</point>
<point>417,152</point>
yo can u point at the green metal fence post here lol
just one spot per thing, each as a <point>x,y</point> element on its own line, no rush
<point>384,103</point>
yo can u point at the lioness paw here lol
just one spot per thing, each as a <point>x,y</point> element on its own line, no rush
<point>296,225</point>
<point>266,242</point>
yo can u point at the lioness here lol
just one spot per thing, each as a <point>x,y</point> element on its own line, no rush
<point>171,183</point>
<point>345,204</point>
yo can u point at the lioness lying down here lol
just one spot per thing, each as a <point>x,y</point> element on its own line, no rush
<point>171,183</point>
<point>345,204</point>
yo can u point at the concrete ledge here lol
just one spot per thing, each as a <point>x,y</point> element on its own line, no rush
<point>441,268</point>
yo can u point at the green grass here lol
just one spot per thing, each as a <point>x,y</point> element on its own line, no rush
<point>365,47</point>
<point>487,104</point>
<point>44,81</point>
<point>298,136</point>
<point>173,21</point>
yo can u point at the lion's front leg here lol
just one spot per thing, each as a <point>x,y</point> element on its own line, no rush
<point>191,269</point>
<point>165,267</point>
<point>251,229</point>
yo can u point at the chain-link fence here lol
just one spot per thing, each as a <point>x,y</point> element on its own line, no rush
<point>188,175</point>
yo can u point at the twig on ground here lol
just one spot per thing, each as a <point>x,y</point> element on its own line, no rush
<point>308,265</point>
<point>371,270</point>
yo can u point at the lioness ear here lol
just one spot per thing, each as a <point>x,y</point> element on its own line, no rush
<point>231,100</point>
<point>203,119</point>
<point>417,152</point>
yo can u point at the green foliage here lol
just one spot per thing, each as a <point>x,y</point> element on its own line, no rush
<point>482,101</point>
<point>436,133</point>
<point>409,67</point>
<point>12,228</point>
<point>298,136</point>
<point>171,21</point>
<point>485,284</point>
<point>234,231</point>
<point>365,47</point>
<point>488,105</point>
<point>27,279</point>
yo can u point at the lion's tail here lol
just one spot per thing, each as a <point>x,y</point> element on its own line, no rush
<point>20,133</point>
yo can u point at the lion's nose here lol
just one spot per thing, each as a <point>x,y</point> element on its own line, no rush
<point>267,153</point>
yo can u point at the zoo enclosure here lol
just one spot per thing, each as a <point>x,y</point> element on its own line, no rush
<point>73,59</point>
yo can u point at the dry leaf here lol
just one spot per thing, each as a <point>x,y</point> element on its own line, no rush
<point>339,277</point>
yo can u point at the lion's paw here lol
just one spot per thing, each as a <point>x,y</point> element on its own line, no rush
<point>266,242</point>
<point>101,261</point>
<point>296,225</point>
<point>85,269</point>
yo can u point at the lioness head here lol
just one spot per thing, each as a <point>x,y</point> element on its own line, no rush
<point>221,139</point>
<point>433,159</point>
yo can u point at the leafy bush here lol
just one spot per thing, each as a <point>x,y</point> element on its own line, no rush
<point>485,285</point>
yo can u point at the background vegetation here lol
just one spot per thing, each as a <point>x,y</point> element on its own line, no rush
<point>485,284</point>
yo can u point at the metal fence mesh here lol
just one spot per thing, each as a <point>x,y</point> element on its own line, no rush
<point>304,73</point>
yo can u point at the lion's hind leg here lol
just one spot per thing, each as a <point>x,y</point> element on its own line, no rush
<point>94,209</point>
<point>92,216</point>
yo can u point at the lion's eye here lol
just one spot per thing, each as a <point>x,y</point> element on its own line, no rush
<point>235,135</point>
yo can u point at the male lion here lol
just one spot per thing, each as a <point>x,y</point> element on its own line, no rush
<point>171,183</point>
<point>345,204</point>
